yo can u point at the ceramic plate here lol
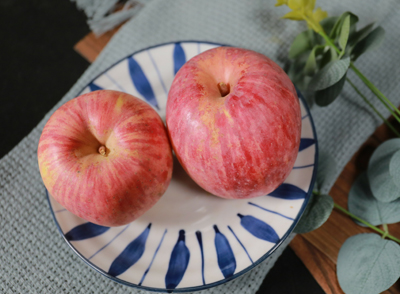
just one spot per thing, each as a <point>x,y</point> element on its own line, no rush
<point>190,240</point>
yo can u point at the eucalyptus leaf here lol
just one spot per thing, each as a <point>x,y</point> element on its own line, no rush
<point>327,168</point>
<point>368,264</point>
<point>330,74</point>
<point>359,35</point>
<point>381,181</point>
<point>344,33</point>
<point>370,42</point>
<point>394,168</point>
<point>328,56</point>
<point>302,43</point>
<point>335,32</point>
<point>364,205</point>
<point>316,214</point>
<point>311,64</point>
<point>327,96</point>
<point>328,23</point>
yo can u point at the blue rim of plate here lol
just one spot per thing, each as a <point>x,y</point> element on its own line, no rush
<point>225,280</point>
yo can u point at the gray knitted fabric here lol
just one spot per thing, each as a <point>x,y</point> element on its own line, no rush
<point>34,257</point>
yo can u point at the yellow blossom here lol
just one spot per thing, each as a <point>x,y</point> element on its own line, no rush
<point>281,2</point>
<point>304,10</point>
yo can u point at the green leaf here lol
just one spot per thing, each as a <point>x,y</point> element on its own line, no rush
<point>364,205</point>
<point>394,168</point>
<point>381,180</point>
<point>302,43</point>
<point>311,64</point>
<point>328,23</point>
<point>344,34</point>
<point>316,214</point>
<point>330,74</point>
<point>327,57</point>
<point>359,35</point>
<point>327,168</point>
<point>368,264</point>
<point>335,32</point>
<point>370,42</point>
<point>327,96</point>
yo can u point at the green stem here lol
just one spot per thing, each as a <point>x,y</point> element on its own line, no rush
<point>386,229</point>
<point>373,108</point>
<point>383,233</point>
<point>329,41</point>
<point>385,101</point>
<point>389,105</point>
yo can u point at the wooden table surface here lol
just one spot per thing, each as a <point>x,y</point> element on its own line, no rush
<point>318,249</point>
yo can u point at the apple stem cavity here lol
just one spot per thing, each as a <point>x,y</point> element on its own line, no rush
<point>103,150</point>
<point>224,89</point>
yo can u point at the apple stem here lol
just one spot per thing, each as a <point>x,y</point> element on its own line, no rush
<point>223,89</point>
<point>102,150</point>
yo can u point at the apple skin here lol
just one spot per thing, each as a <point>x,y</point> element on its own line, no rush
<point>244,144</point>
<point>117,188</point>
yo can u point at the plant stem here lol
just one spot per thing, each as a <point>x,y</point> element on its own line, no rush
<point>385,101</point>
<point>329,41</point>
<point>386,229</point>
<point>373,108</point>
<point>375,90</point>
<point>383,233</point>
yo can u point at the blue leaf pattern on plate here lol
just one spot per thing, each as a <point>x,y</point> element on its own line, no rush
<point>200,240</point>
<point>305,143</point>
<point>131,254</point>
<point>289,192</point>
<point>94,87</point>
<point>141,82</point>
<point>178,262</point>
<point>154,256</point>
<point>241,244</point>
<point>85,231</point>
<point>258,228</point>
<point>226,258</point>
<point>179,57</point>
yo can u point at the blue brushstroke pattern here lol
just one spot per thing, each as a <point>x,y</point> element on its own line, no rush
<point>112,240</point>
<point>200,240</point>
<point>94,87</point>
<point>288,191</point>
<point>271,211</point>
<point>131,254</point>
<point>258,228</point>
<point>85,231</point>
<point>154,256</point>
<point>141,82</point>
<point>226,258</point>
<point>241,244</point>
<point>179,57</point>
<point>178,262</point>
<point>305,143</point>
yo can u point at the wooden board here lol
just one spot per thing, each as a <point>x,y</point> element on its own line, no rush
<point>318,249</point>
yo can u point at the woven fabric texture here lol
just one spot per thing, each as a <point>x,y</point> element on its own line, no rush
<point>34,257</point>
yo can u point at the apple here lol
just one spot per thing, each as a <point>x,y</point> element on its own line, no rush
<point>234,121</point>
<point>106,157</point>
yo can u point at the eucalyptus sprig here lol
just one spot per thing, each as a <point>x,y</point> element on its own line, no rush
<point>324,53</point>
<point>367,263</point>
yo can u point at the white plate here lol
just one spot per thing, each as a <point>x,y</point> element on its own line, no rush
<point>190,240</point>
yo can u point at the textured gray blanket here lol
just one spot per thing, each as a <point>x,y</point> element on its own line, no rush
<point>34,257</point>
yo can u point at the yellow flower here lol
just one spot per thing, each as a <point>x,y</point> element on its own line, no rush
<point>304,10</point>
<point>319,14</point>
<point>281,2</point>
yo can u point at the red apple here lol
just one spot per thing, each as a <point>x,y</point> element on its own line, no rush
<point>234,121</point>
<point>105,156</point>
